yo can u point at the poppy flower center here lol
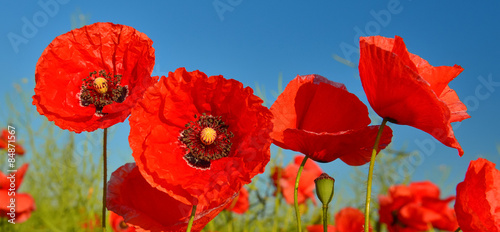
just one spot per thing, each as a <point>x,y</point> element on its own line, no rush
<point>206,139</point>
<point>101,89</point>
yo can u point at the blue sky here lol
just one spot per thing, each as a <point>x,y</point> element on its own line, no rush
<point>256,41</point>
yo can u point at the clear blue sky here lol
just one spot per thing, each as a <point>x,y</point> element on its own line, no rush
<point>255,41</point>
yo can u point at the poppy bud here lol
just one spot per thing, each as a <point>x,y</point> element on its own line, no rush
<point>325,188</point>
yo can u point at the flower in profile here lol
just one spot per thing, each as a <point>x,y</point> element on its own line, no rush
<point>5,141</point>
<point>91,77</point>
<point>405,89</point>
<point>240,203</point>
<point>415,208</point>
<point>199,138</point>
<point>346,220</point>
<point>321,119</point>
<point>24,203</point>
<point>118,224</point>
<point>478,198</point>
<point>148,209</point>
<point>287,177</point>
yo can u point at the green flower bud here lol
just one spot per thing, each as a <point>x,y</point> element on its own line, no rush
<point>325,188</point>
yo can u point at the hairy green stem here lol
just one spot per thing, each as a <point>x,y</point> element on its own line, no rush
<point>191,219</point>
<point>104,177</point>
<point>370,176</point>
<point>295,194</point>
<point>325,218</point>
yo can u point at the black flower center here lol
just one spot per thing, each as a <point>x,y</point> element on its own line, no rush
<point>206,139</point>
<point>101,89</point>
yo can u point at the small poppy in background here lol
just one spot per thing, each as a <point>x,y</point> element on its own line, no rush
<point>200,138</point>
<point>5,141</point>
<point>287,177</point>
<point>405,89</point>
<point>416,207</point>
<point>240,203</point>
<point>478,198</point>
<point>24,202</point>
<point>118,224</point>
<point>91,77</point>
<point>149,209</point>
<point>321,119</point>
<point>346,220</point>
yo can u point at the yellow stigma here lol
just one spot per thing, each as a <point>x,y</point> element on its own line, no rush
<point>208,135</point>
<point>101,85</point>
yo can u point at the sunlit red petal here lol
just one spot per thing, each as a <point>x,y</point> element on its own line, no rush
<point>478,198</point>
<point>321,119</point>
<point>406,90</point>
<point>159,119</point>
<point>148,209</point>
<point>117,49</point>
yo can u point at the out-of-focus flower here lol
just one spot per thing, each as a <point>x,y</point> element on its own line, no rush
<point>415,208</point>
<point>24,204</point>
<point>198,138</point>
<point>348,219</point>
<point>306,184</point>
<point>478,198</point>
<point>321,119</point>
<point>240,204</point>
<point>91,77</point>
<point>149,209</point>
<point>5,141</point>
<point>405,89</point>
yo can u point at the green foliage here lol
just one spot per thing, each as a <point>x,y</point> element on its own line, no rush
<point>63,175</point>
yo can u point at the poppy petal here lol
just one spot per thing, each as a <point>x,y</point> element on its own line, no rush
<point>148,209</point>
<point>398,92</point>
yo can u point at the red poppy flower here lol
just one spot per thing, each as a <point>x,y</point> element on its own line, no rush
<point>346,220</point>
<point>199,138</point>
<point>240,204</point>
<point>407,90</point>
<point>24,203</point>
<point>118,224</point>
<point>478,198</point>
<point>415,207</point>
<point>5,141</point>
<point>306,183</point>
<point>149,209</point>
<point>321,119</point>
<point>91,77</point>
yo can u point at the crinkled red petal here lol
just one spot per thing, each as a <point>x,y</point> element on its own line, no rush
<point>148,209</point>
<point>352,147</point>
<point>240,204</point>
<point>158,120</point>
<point>397,91</point>
<point>477,204</point>
<point>321,119</point>
<point>118,49</point>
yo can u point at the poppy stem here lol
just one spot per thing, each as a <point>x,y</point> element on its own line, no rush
<point>104,176</point>
<point>295,194</point>
<point>458,229</point>
<point>191,219</point>
<point>325,217</point>
<point>370,176</point>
